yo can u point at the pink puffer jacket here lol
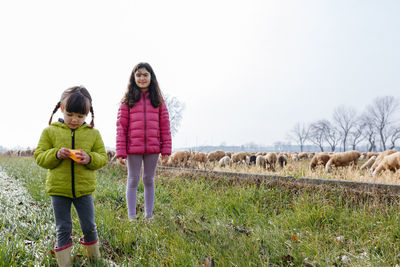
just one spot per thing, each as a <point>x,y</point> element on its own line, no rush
<point>143,129</point>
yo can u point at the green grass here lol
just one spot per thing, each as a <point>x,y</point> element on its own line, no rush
<point>235,222</point>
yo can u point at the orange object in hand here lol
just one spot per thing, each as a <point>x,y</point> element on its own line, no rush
<point>73,154</point>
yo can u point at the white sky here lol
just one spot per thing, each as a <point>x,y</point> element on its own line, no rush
<point>247,71</point>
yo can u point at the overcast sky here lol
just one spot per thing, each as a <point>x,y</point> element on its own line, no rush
<point>247,71</point>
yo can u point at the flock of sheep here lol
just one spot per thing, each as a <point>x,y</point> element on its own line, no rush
<point>375,162</point>
<point>17,153</point>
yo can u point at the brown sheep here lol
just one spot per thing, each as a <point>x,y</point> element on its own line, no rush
<point>260,161</point>
<point>215,156</point>
<point>343,159</point>
<point>179,158</point>
<point>319,159</point>
<point>110,155</point>
<point>368,163</point>
<point>302,155</point>
<point>26,153</point>
<point>390,162</point>
<point>282,160</point>
<point>270,160</point>
<point>199,158</point>
<point>380,157</point>
<point>286,154</point>
<point>239,157</point>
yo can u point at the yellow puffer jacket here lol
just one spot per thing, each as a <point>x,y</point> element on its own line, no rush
<point>66,177</point>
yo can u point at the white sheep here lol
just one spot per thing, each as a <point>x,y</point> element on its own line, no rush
<point>368,163</point>
<point>380,157</point>
<point>390,162</point>
<point>224,162</point>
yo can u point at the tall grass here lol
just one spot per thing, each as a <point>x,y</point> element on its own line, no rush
<point>235,222</point>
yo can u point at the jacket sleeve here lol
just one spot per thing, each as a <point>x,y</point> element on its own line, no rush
<point>45,153</point>
<point>165,131</point>
<point>98,154</point>
<point>122,131</point>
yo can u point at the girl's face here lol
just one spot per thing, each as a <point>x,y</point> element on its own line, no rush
<point>73,120</point>
<point>142,78</point>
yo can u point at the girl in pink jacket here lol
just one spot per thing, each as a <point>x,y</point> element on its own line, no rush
<point>143,132</point>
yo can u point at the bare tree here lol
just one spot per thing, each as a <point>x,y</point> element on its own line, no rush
<point>345,119</point>
<point>369,131</point>
<point>356,135</point>
<point>331,134</point>
<point>175,110</point>
<point>300,133</point>
<point>317,134</point>
<point>394,136</point>
<point>381,113</point>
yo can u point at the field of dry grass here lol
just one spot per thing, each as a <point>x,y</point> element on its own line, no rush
<point>301,169</point>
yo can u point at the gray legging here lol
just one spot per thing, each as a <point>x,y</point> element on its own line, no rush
<point>149,170</point>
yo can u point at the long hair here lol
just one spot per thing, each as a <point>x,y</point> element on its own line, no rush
<point>132,93</point>
<point>76,99</point>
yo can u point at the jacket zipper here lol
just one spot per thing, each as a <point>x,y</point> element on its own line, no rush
<point>145,123</point>
<point>73,165</point>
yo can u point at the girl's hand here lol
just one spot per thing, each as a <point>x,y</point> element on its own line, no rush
<point>122,161</point>
<point>63,153</point>
<point>83,157</point>
<point>164,159</point>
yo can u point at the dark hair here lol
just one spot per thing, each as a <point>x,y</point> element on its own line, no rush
<point>76,99</point>
<point>132,94</point>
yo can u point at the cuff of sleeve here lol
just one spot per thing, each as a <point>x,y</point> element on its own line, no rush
<point>55,155</point>
<point>121,156</point>
<point>165,152</point>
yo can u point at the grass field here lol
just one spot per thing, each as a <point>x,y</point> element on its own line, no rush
<point>233,222</point>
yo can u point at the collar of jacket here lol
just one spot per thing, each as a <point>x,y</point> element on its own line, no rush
<point>60,123</point>
<point>146,93</point>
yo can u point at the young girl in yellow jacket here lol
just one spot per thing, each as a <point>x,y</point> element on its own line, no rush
<point>72,150</point>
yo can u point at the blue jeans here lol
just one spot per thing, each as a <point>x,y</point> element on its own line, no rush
<point>62,213</point>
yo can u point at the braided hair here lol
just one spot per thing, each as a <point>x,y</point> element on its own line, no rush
<point>76,99</point>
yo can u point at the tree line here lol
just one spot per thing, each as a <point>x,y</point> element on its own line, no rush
<point>377,126</point>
